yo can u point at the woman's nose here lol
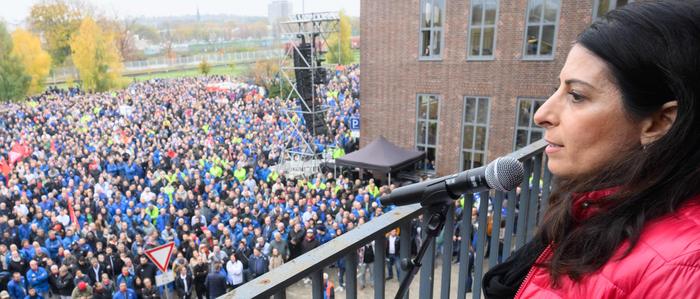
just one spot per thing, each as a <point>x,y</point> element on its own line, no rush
<point>545,116</point>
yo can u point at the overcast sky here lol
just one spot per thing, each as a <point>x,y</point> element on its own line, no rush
<point>14,11</point>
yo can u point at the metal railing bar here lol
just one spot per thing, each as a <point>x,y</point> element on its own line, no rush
<point>427,270</point>
<point>351,275</point>
<point>532,214</point>
<point>495,252</point>
<point>405,250</point>
<point>465,232</point>
<point>294,270</point>
<point>480,242</point>
<point>521,228</point>
<point>529,151</point>
<point>379,263</point>
<point>448,232</point>
<point>317,288</point>
<point>510,224</point>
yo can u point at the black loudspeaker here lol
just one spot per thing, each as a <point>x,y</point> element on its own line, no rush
<point>303,74</point>
<point>321,76</point>
<point>315,122</point>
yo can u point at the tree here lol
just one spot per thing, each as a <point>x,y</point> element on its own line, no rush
<point>96,57</point>
<point>204,67</point>
<point>263,71</point>
<point>123,32</point>
<point>14,82</point>
<point>36,61</point>
<point>342,40</point>
<point>57,21</point>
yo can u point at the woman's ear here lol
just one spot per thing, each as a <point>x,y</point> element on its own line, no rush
<point>659,122</point>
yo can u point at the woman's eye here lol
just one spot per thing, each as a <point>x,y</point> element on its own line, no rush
<point>577,97</point>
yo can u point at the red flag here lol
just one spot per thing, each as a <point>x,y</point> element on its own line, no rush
<point>71,213</point>
<point>15,156</point>
<point>5,168</point>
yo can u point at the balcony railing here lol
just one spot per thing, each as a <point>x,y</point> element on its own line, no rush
<point>528,206</point>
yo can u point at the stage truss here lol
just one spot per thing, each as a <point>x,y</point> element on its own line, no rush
<point>314,28</point>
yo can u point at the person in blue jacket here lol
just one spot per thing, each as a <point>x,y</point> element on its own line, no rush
<point>38,278</point>
<point>52,244</point>
<point>124,292</point>
<point>16,286</point>
<point>32,294</point>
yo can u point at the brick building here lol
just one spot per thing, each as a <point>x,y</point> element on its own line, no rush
<point>462,79</point>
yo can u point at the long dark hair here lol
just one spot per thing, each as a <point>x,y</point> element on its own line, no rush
<point>653,52</point>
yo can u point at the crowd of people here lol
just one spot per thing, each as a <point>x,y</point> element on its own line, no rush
<point>89,181</point>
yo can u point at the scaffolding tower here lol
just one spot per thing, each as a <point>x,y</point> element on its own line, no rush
<point>305,39</point>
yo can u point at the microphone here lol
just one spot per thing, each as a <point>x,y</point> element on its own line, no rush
<point>503,174</point>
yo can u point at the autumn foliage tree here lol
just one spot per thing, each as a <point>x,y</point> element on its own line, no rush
<point>14,82</point>
<point>57,21</point>
<point>339,50</point>
<point>204,67</point>
<point>263,71</point>
<point>36,61</point>
<point>96,57</point>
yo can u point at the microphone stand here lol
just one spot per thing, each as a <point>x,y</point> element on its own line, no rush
<point>435,224</point>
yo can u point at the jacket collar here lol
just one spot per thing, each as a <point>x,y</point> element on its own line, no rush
<point>587,204</point>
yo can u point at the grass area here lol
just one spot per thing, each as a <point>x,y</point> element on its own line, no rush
<point>215,70</point>
<point>239,70</point>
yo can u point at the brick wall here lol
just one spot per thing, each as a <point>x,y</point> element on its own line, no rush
<point>392,75</point>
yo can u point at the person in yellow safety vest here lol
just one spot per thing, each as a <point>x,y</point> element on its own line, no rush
<point>216,171</point>
<point>337,188</point>
<point>373,189</point>
<point>317,186</point>
<point>240,174</point>
<point>338,152</point>
<point>172,177</point>
<point>153,212</point>
<point>273,176</point>
<point>169,190</point>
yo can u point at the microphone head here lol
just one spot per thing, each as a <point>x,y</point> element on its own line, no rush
<point>504,174</point>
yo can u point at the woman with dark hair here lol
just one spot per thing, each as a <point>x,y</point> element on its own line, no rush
<point>622,128</point>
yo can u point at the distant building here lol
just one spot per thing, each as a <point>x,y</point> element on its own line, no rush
<point>462,80</point>
<point>278,11</point>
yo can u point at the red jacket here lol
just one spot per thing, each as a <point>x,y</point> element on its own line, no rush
<point>664,264</point>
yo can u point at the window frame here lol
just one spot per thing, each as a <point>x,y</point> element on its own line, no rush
<point>424,144</point>
<point>473,126</point>
<point>482,27</point>
<point>541,24</point>
<point>531,126</point>
<point>612,5</point>
<point>432,30</point>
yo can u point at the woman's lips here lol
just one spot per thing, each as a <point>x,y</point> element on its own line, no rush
<point>552,147</point>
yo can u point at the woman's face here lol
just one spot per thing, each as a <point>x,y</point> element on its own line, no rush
<point>586,126</point>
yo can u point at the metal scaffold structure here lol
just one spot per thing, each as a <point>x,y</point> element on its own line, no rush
<point>305,38</point>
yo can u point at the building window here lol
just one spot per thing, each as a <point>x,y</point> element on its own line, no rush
<point>475,132</point>
<point>526,131</point>
<point>431,24</point>
<point>601,7</point>
<point>482,29</point>
<point>427,129</point>
<point>541,27</point>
